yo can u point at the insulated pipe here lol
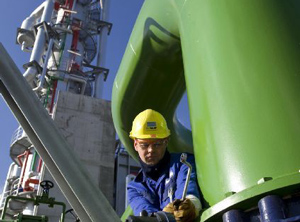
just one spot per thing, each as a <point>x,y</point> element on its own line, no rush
<point>47,13</point>
<point>71,177</point>
<point>42,78</point>
<point>29,209</point>
<point>31,20</point>
<point>26,39</point>
<point>39,44</point>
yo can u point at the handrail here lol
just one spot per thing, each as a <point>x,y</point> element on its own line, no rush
<point>17,134</point>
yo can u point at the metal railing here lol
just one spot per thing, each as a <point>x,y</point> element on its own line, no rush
<point>3,198</point>
<point>12,191</point>
<point>18,134</point>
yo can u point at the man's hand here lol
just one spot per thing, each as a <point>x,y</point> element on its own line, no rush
<point>183,211</point>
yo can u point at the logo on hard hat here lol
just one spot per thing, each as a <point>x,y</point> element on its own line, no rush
<point>151,126</point>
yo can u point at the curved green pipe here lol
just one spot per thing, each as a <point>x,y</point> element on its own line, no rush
<point>239,62</point>
<point>154,79</point>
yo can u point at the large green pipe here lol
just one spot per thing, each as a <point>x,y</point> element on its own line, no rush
<point>240,64</point>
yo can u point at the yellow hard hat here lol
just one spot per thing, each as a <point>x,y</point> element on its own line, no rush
<point>149,124</point>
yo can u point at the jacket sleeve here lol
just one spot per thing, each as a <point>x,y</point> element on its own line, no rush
<point>181,178</point>
<point>138,201</point>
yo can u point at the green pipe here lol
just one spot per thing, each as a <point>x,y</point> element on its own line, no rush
<point>62,49</point>
<point>33,161</point>
<point>38,200</point>
<point>128,211</point>
<point>63,43</point>
<point>239,63</point>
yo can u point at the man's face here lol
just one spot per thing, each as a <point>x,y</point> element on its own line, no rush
<point>151,151</point>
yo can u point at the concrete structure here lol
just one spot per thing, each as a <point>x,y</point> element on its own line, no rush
<point>87,125</point>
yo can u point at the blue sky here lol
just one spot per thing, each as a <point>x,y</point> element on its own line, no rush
<point>122,14</point>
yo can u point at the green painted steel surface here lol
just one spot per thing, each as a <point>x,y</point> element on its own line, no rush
<point>128,211</point>
<point>240,64</point>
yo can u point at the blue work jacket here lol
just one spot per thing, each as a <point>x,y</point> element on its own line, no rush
<point>147,194</point>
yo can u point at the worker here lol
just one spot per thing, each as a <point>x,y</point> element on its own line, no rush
<point>159,184</point>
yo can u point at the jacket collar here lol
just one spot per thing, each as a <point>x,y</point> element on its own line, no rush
<point>162,169</point>
<point>155,171</point>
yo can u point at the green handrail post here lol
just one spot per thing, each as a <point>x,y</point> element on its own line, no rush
<point>37,200</point>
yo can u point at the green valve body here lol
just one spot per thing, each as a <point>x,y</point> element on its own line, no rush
<point>239,62</point>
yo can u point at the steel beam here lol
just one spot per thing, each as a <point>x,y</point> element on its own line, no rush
<point>72,178</point>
